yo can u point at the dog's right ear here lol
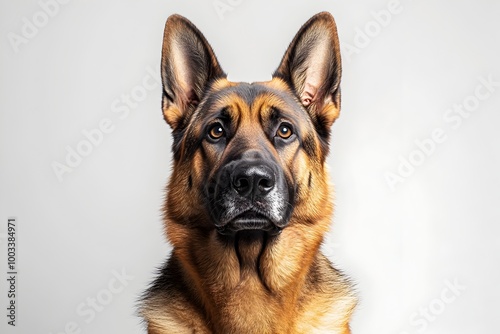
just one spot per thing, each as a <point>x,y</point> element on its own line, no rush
<point>188,65</point>
<point>312,67</point>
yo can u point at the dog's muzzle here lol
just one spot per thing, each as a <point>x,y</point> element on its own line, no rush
<point>249,194</point>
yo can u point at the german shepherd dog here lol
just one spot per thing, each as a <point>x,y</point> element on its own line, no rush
<point>249,200</point>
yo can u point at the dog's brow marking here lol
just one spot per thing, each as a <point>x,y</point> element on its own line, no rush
<point>231,106</point>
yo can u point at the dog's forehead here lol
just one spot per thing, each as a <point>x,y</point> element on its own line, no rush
<point>249,92</point>
<point>254,97</point>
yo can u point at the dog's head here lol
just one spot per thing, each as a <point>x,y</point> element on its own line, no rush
<point>250,156</point>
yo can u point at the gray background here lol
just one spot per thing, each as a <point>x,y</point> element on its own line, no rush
<point>401,245</point>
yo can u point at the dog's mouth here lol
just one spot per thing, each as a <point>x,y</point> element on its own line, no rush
<point>249,221</point>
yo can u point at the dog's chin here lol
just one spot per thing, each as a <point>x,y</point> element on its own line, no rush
<point>249,222</point>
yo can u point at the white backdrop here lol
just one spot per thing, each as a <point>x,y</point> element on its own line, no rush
<point>415,154</point>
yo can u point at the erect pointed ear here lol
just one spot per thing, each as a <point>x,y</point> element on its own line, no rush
<point>188,65</point>
<point>312,67</point>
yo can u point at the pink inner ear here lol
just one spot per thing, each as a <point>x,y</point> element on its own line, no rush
<point>192,98</point>
<point>315,73</point>
<point>308,94</point>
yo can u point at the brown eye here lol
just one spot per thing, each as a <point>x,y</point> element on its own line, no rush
<point>216,131</point>
<point>284,131</point>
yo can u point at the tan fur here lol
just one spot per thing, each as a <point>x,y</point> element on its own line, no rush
<point>279,285</point>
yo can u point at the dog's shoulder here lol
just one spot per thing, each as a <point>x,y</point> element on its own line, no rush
<point>330,299</point>
<point>167,306</point>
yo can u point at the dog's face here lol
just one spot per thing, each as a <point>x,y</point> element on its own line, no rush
<point>249,156</point>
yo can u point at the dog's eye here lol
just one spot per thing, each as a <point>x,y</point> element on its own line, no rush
<point>216,131</point>
<point>284,131</point>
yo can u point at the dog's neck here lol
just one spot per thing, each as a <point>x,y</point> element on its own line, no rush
<point>250,272</point>
<point>249,247</point>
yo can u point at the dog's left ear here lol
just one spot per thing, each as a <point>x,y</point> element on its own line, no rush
<point>312,67</point>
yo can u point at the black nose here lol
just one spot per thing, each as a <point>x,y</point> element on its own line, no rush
<point>253,179</point>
